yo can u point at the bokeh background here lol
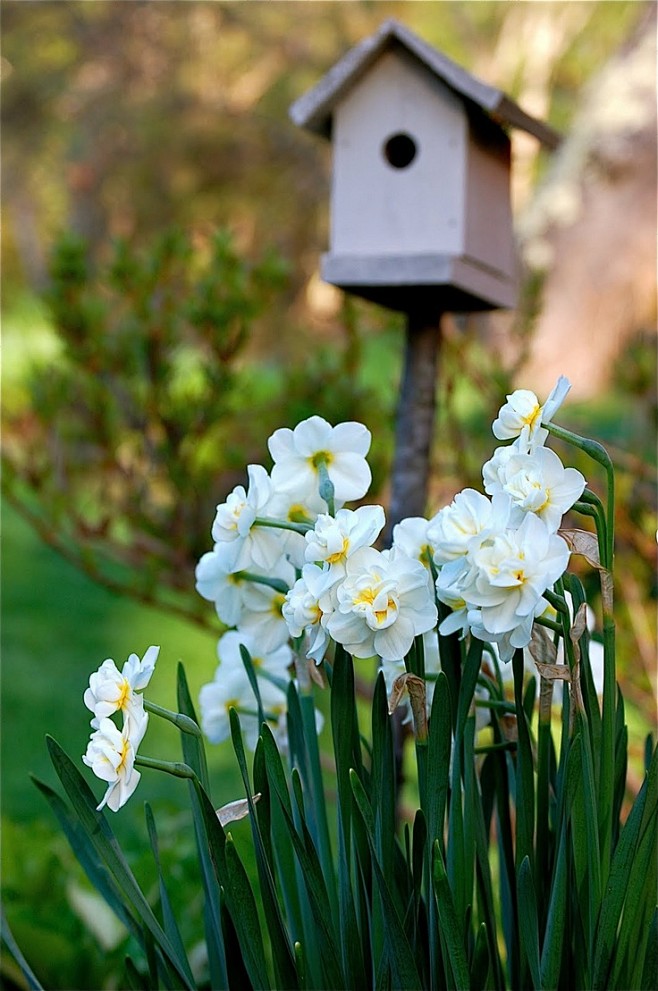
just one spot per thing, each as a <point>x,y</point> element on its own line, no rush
<point>162,314</point>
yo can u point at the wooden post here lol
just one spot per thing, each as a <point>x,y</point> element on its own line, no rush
<point>415,418</point>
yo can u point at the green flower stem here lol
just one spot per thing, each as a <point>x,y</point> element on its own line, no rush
<point>585,509</point>
<point>599,454</point>
<point>250,576</point>
<point>495,704</point>
<point>558,602</point>
<point>492,747</point>
<point>606,785</point>
<point>176,768</point>
<point>183,722</point>
<point>548,623</point>
<point>283,524</point>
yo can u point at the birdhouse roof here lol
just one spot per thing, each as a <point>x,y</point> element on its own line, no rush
<point>314,109</point>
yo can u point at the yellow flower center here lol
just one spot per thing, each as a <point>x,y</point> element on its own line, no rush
<point>124,694</point>
<point>341,554</point>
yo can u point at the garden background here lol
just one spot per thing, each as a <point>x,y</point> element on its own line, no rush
<point>164,125</point>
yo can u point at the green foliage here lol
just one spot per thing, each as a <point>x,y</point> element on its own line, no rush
<point>144,421</point>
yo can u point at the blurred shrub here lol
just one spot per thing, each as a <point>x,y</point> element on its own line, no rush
<point>146,418</point>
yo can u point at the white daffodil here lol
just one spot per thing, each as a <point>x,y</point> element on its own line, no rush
<point>523,412</point>
<point>274,661</point>
<point>334,540</point>
<point>468,518</point>
<point>299,453</point>
<point>234,523</point>
<point>231,689</point>
<point>306,610</point>
<point>536,483</point>
<point>509,574</point>
<point>411,537</point>
<point>111,690</point>
<point>448,581</point>
<point>111,756</point>
<point>381,605</point>
<point>262,615</point>
<point>286,506</point>
<point>220,582</point>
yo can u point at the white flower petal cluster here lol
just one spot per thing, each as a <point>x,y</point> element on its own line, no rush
<point>298,453</point>
<point>497,556</point>
<point>111,756</point>
<point>334,540</point>
<point>522,414</point>
<point>381,605</point>
<point>536,482</point>
<point>111,752</point>
<point>235,518</point>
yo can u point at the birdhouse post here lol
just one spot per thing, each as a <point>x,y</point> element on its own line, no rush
<point>421,218</point>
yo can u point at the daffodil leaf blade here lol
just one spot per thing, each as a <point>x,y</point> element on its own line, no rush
<point>528,922</point>
<point>107,847</point>
<point>404,971</point>
<point>168,918</point>
<point>454,958</point>
<point>192,746</point>
<point>283,954</point>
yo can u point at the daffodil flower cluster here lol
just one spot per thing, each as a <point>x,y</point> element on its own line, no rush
<point>497,556</point>
<point>292,565</point>
<point>112,750</point>
<point>260,550</point>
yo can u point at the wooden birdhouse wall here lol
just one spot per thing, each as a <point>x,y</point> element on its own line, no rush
<point>378,206</point>
<point>488,223</point>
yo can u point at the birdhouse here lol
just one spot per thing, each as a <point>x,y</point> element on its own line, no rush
<point>420,196</point>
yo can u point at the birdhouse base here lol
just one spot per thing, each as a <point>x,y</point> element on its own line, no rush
<point>454,284</point>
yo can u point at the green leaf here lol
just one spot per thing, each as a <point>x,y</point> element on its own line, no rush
<point>347,754</point>
<point>240,900</point>
<point>194,752</point>
<point>283,956</point>
<point>7,937</point>
<point>480,965</point>
<point>108,849</point>
<point>403,965</point>
<point>311,871</point>
<point>168,917</point>
<point>650,968</point>
<point>524,795</point>
<point>551,958</point>
<point>438,759</point>
<point>245,917</point>
<point>92,864</point>
<point>454,957</point>
<point>616,888</point>
<point>253,681</point>
<point>528,919</point>
<point>383,777</point>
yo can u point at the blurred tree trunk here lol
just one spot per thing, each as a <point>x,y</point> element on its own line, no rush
<point>592,227</point>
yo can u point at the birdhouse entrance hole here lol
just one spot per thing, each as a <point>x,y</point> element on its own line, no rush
<point>400,150</point>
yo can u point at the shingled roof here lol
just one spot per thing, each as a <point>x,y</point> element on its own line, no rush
<point>314,109</point>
